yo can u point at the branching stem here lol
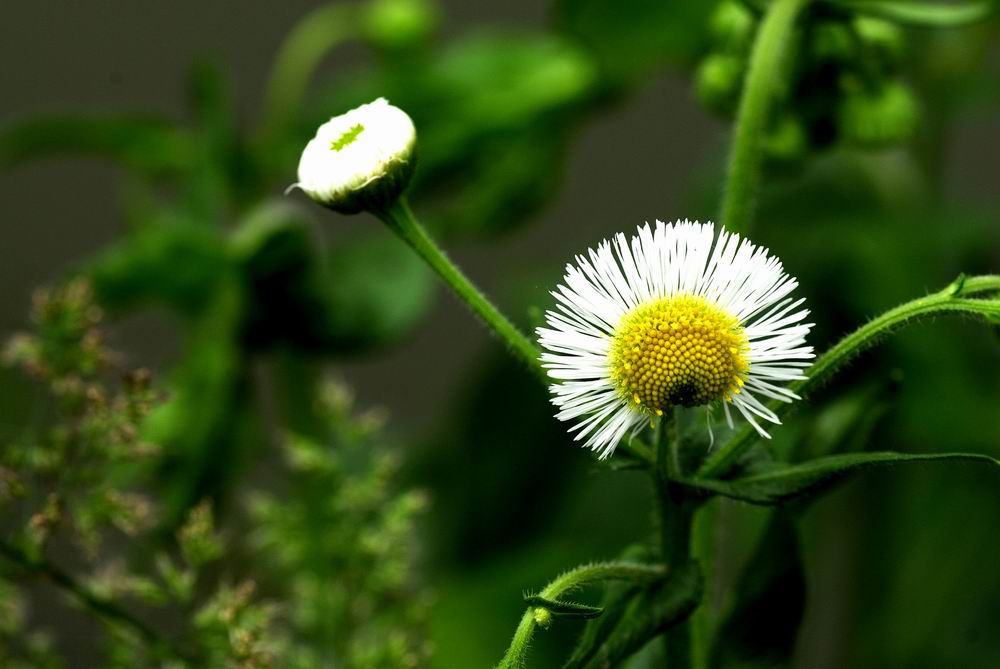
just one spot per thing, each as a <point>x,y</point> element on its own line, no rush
<point>634,572</point>
<point>953,300</point>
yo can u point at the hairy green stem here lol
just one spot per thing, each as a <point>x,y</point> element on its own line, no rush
<point>759,87</point>
<point>952,300</point>
<point>634,572</point>
<point>104,608</point>
<point>675,517</point>
<point>401,220</point>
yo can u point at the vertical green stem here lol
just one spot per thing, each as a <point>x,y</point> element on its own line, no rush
<point>676,516</point>
<point>759,88</point>
<point>401,220</point>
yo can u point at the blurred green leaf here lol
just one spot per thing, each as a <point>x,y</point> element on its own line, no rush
<point>206,428</point>
<point>503,188</point>
<point>632,37</point>
<point>172,263</point>
<point>144,144</point>
<point>930,14</point>
<point>769,602</point>
<point>774,483</point>
<point>379,289</point>
<point>283,277</point>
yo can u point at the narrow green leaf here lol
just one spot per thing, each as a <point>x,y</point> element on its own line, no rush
<point>563,609</point>
<point>761,627</point>
<point>145,144</point>
<point>619,599</point>
<point>923,13</point>
<point>775,483</point>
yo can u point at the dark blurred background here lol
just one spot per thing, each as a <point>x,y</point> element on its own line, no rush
<point>902,565</point>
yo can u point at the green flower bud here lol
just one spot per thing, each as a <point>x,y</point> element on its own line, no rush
<point>360,161</point>
<point>874,119</point>
<point>395,24</point>
<point>832,42</point>
<point>718,82</point>
<point>787,139</point>
<point>884,38</point>
<point>732,26</point>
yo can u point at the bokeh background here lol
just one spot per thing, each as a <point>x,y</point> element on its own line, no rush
<point>901,564</point>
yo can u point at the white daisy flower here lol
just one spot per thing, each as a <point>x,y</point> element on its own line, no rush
<point>673,317</point>
<point>361,160</point>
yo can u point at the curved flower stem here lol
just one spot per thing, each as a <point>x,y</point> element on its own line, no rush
<point>401,220</point>
<point>634,572</point>
<point>759,87</point>
<point>104,608</point>
<point>952,300</point>
<point>310,39</point>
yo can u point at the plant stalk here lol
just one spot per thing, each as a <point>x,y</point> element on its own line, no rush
<point>759,88</point>
<point>103,608</point>
<point>401,220</point>
<point>676,518</point>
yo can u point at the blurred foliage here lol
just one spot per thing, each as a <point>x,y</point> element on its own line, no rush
<point>313,562</point>
<point>336,558</point>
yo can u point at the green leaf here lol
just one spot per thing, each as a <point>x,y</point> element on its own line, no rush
<point>379,289</point>
<point>631,37</point>
<point>774,483</point>
<point>762,625</point>
<point>563,609</point>
<point>177,264</point>
<point>145,144</point>
<point>927,14</point>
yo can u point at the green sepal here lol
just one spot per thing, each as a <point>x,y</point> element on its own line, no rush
<point>774,483</point>
<point>563,609</point>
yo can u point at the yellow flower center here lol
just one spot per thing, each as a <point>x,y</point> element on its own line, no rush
<point>678,350</point>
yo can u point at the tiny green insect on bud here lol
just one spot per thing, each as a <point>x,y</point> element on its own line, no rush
<point>543,617</point>
<point>880,118</point>
<point>360,161</point>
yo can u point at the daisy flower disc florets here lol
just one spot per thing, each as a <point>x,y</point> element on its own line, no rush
<point>673,317</point>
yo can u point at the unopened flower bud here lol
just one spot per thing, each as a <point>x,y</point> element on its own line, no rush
<point>361,160</point>
<point>831,42</point>
<point>884,38</point>
<point>787,139</point>
<point>880,118</point>
<point>732,26</point>
<point>394,24</point>
<point>718,82</point>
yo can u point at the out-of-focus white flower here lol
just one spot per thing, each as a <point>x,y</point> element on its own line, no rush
<point>361,160</point>
<point>673,317</point>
